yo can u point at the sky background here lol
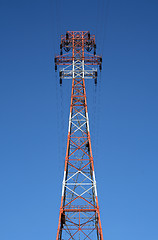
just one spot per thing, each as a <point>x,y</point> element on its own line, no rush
<point>123,114</point>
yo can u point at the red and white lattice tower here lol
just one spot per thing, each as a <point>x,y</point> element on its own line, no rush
<point>79,216</point>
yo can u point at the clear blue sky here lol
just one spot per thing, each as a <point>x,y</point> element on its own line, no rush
<point>34,115</point>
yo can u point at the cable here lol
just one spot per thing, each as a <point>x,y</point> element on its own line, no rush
<point>98,110</point>
<point>105,24</point>
<point>101,23</point>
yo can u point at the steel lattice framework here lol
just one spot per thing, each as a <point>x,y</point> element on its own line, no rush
<point>79,217</point>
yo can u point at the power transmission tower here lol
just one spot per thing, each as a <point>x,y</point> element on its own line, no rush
<point>79,216</point>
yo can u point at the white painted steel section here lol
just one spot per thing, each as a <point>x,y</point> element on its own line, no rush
<point>79,184</point>
<point>78,121</point>
<point>68,74</point>
<point>86,176</point>
<point>69,122</point>
<point>73,68</point>
<point>83,68</point>
<point>63,187</point>
<point>78,113</point>
<point>73,191</point>
<point>78,128</point>
<point>95,186</point>
<point>72,176</point>
<point>85,191</point>
<point>78,70</point>
<point>87,121</point>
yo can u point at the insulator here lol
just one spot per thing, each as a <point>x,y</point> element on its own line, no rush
<point>63,218</point>
<point>55,59</point>
<point>60,46</point>
<point>55,67</point>
<point>95,74</point>
<point>66,43</point>
<point>60,74</point>
<point>60,81</point>
<point>101,59</point>
<point>100,67</point>
<point>88,35</point>
<point>67,49</point>
<point>88,49</point>
<point>95,81</point>
<point>61,52</point>
<point>67,36</point>
<point>87,145</point>
<point>94,51</point>
<point>66,46</point>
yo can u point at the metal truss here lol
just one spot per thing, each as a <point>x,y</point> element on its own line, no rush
<point>79,217</point>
